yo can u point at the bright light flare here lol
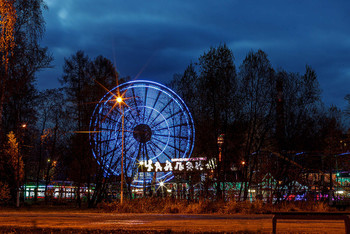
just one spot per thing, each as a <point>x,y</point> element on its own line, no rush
<point>119,99</point>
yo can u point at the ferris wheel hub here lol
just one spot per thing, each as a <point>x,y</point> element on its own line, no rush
<point>142,133</point>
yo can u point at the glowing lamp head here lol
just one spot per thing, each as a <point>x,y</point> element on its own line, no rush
<point>24,125</point>
<point>119,99</point>
<point>161,184</point>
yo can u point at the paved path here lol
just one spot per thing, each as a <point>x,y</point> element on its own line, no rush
<point>162,222</point>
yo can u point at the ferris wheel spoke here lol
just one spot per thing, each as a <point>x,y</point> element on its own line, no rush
<point>179,137</point>
<point>174,114</point>
<point>110,158</point>
<point>146,151</point>
<point>110,111</point>
<point>146,92</point>
<point>109,118</point>
<point>130,162</point>
<point>129,142</point>
<point>154,105</point>
<point>139,152</point>
<point>158,160</point>
<point>116,163</point>
<point>103,154</point>
<point>155,145</point>
<point>153,126</point>
<point>108,163</point>
<point>173,126</point>
<point>131,155</point>
<point>130,146</point>
<point>134,99</point>
<point>127,116</point>
<point>153,151</point>
<point>125,130</point>
<point>101,124</point>
<point>171,100</point>
<point>119,147</point>
<point>169,117</point>
<point>107,140</point>
<point>103,160</point>
<point>145,103</point>
<point>109,152</point>
<point>174,147</point>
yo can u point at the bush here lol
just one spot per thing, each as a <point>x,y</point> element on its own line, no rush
<point>4,193</point>
<point>297,206</point>
<point>144,205</point>
<point>173,206</point>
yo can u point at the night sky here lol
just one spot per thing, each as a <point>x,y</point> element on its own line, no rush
<point>149,39</point>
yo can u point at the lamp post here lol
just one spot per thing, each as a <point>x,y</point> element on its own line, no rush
<point>120,101</point>
<point>24,126</point>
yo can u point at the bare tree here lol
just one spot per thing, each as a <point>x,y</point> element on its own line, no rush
<point>258,96</point>
<point>211,94</point>
<point>27,57</point>
<point>54,131</point>
<point>85,82</point>
<point>8,20</point>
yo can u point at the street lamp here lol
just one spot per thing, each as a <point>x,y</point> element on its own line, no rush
<point>22,136</point>
<point>120,101</point>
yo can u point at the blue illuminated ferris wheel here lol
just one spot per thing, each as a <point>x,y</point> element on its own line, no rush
<point>157,126</point>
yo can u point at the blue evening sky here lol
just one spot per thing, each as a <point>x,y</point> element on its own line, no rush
<point>154,39</point>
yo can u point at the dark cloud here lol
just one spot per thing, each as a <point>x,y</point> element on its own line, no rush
<point>156,39</point>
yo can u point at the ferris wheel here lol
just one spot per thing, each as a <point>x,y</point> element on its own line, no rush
<point>153,123</point>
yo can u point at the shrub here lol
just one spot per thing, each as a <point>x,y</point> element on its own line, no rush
<point>231,207</point>
<point>173,206</point>
<point>4,192</point>
<point>202,207</point>
<point>317,206</point>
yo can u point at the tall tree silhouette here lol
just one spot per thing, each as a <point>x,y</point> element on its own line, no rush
<point>7,43</point>
<point>85,82</point>
<point>25,59</point>
<point>258,96</point>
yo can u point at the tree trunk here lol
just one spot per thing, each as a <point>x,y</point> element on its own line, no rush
<point>2,102</point>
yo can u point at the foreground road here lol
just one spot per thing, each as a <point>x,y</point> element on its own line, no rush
<point>82,221</point>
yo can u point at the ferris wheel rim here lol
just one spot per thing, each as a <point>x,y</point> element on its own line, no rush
<point>162,90</point>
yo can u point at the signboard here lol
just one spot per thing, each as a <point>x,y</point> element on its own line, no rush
<point>177,164</point>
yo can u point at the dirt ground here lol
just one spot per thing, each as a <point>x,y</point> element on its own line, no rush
<point>24,221</point>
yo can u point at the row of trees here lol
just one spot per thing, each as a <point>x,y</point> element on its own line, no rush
<point>257,109</point>
<point>255,106</point>
<point>37,128</point>
<point>22,27</point>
